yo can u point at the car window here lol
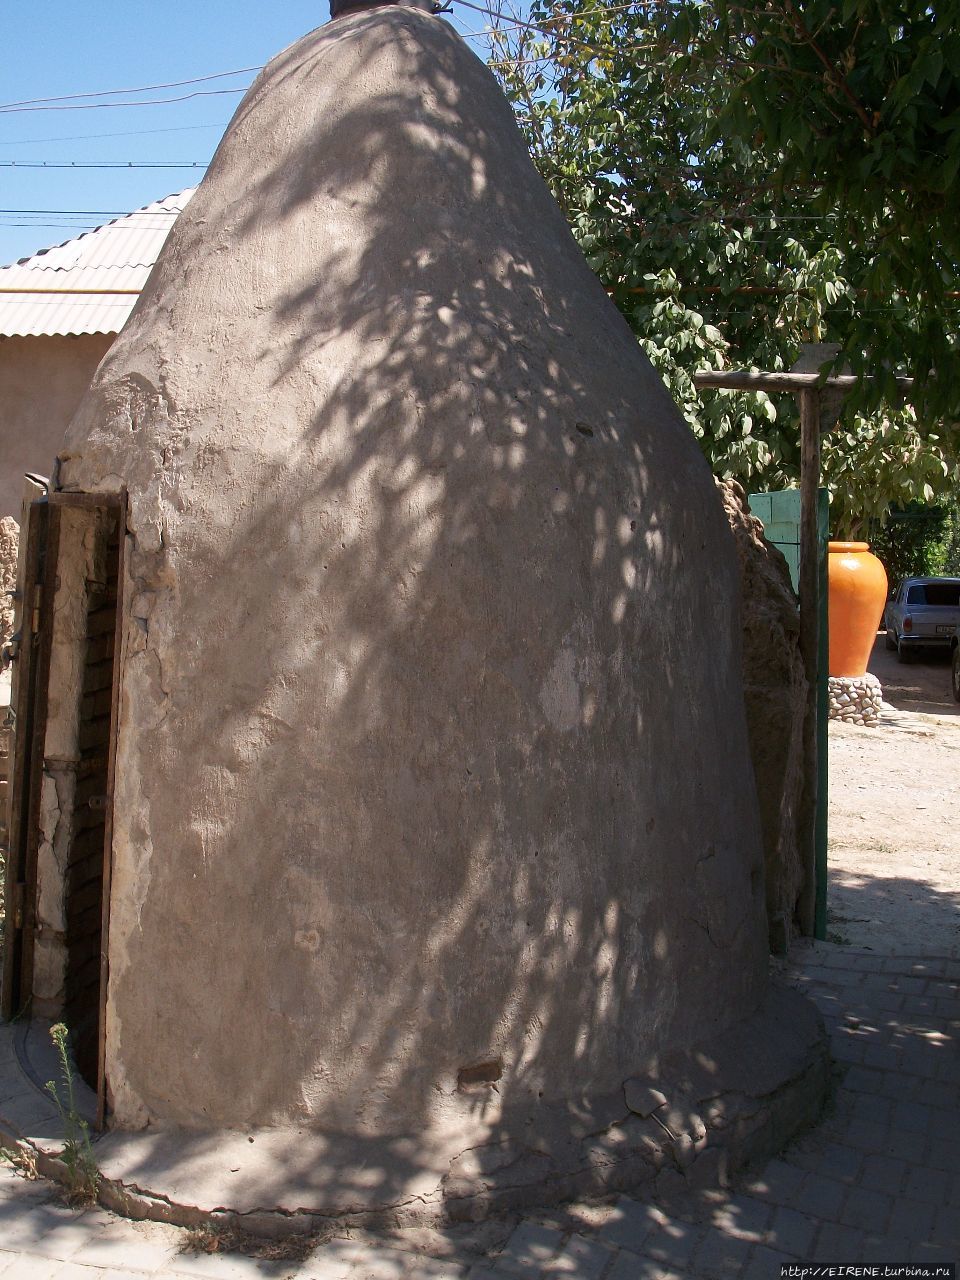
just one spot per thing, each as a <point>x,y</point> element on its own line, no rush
<point>943,594</point>
<point>917,595</point>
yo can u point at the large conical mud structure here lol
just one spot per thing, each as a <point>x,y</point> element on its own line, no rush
<point>433,820</point>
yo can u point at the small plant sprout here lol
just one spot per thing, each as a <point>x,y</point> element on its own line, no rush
<point>83,1176</point>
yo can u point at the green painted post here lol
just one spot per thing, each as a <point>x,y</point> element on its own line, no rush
<point>780,513</point>
<point>823,714</point>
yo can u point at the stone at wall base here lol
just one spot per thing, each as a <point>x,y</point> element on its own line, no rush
<point>735,1099</point>
<point>856,699</point>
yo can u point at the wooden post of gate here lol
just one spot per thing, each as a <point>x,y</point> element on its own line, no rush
<point>809,644</point>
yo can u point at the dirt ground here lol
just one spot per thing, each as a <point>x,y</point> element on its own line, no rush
<point>894,854</point>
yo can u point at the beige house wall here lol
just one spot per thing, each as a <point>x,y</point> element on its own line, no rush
<point>41,382</point>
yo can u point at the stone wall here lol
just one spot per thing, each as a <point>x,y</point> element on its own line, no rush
<point>774,690</point>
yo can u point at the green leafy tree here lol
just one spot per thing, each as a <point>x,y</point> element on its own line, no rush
<point>671,134</point>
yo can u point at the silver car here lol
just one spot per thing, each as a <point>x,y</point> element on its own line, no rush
<point>923,613</point>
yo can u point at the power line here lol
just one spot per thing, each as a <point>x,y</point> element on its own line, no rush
<point>85,213</point>
<point>147,102</point>
<point>146,88</point>
<point>124,133</point>
<point>103,164</point>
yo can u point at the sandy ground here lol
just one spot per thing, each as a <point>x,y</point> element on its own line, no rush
<point>894,856</point>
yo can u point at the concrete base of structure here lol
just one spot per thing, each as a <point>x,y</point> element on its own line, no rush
<point>691,1120</point>
<point>855,698</point>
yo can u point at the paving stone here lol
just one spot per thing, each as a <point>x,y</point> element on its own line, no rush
<point>866,1135</point>
<point>929,1185</point>
<point>580,1259</point>
<point>944,1154</point>
<point>939,1094</point>
<point>913,1117</point>
<point>901,1144</point>
<point>765,1264</point>
<point>673,1242</point>
<point>933,1255</point>
<point>530,1245</point>
<point>882,1056</point>
<point>122,1244</point>
<point>846,1050</point>
<point>720,1254</point>
<point>69,1231</point>
<point>912,1219</point>
<point>866,1209</point>
<point>629,1225</point>
<point>632,1266</point>
<point>223,1266</point>
<point>945,1123</point>
<point>820,1197</point>
<point>946,1227</point>
<point>23,1227</point>
<point>888,1250</point>
<point>883,1173</point>
<point>841,1162</point>
<point>921,1060</point>
<point>744,1217</point>
<point>863,1080</point>
<point>873,1108</point>
<point>889,1001</point>
<point>837,1244</point>
<point>779,1182</point>
<point>793,1232</point>
<point>71,1271</point>
<point>20,1266</point>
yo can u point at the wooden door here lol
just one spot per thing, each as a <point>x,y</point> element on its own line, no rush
<point>28,693</point>
<point>71,568</point>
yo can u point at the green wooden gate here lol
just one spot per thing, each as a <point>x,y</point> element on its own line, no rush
<point>779,513</point>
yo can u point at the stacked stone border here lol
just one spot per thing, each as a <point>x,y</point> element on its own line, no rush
<point>856,699</point>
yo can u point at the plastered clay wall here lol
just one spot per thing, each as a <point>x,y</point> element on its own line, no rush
<point>434,808</point>
<point>41,382</point>
<point>775,693</point>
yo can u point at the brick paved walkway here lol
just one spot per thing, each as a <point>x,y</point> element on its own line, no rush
<point>878,1180</point>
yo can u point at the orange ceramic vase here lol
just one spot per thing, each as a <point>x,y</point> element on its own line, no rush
<point>857,595</point>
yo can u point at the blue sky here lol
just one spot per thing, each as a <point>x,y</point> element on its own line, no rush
<point>64,48</point>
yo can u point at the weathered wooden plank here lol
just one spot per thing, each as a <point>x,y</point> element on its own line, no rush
<point>33,528</point>
<point>117,561</point>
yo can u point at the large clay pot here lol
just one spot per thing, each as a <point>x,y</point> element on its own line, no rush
<point>857,594</point>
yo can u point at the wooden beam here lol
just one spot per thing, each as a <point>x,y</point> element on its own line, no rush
<point>108,830</point>
<point>748,380</point>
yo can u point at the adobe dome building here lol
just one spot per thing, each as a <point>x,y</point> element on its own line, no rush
<point>431,831</point>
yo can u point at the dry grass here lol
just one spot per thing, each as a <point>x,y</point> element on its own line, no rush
<point>222,1239</point>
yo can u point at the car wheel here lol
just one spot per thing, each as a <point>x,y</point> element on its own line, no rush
<point>891,640</point>
<point>955,673</point>
<point>904,653</point>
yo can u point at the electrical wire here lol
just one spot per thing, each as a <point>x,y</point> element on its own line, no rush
<point>146,88</point>
<point>103,164</point>
<point>147,102</point>
<point>124,133</point>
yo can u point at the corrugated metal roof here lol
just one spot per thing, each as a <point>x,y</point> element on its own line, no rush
<point>90,284</point>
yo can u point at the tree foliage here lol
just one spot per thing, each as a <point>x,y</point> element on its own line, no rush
<point>727,191</point>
